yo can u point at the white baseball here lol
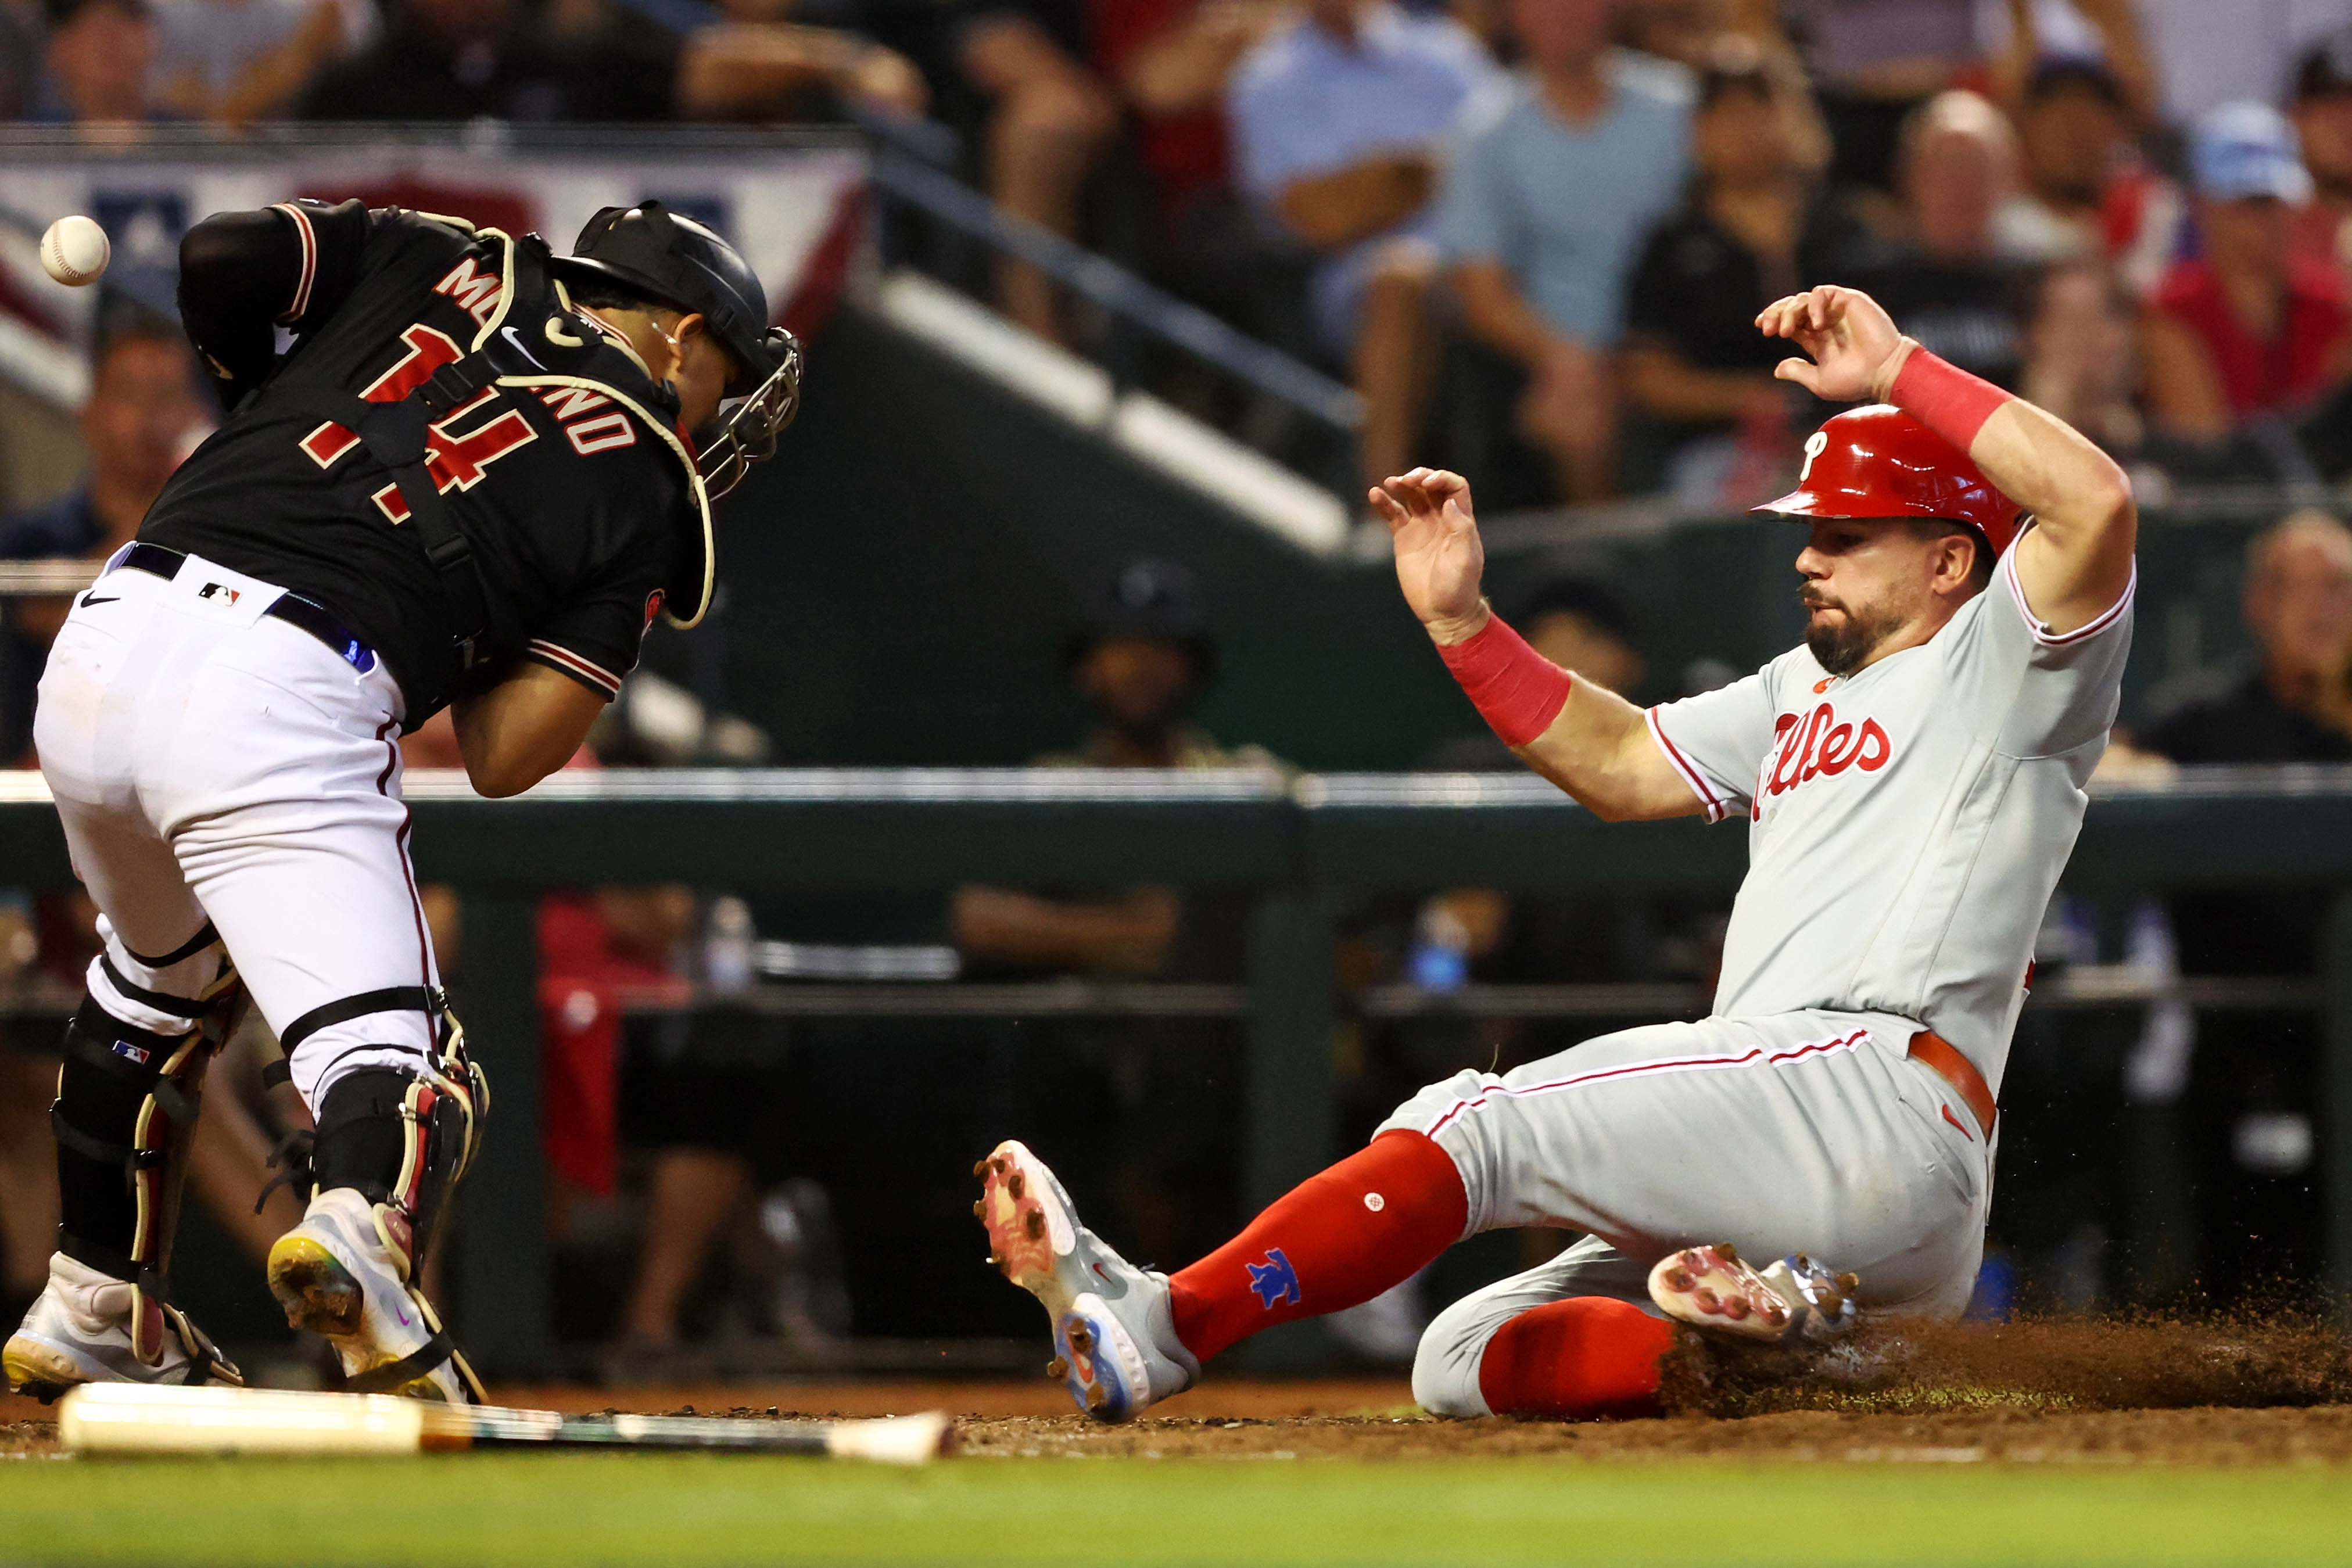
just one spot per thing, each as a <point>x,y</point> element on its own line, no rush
<point>75,251</point>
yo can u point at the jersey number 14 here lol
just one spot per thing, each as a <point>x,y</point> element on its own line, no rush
<point>457,460</point>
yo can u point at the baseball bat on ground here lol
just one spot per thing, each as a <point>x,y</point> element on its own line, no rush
<point>141,1418</point>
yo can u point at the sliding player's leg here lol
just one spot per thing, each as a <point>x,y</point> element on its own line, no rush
<point>1570,1339</point>
<point>1804,1132</point>
<point>1124,1337</point>
<point>1751,1132</point>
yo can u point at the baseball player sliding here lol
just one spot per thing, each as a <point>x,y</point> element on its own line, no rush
<point>1912,782</point>
<point>470,482</point>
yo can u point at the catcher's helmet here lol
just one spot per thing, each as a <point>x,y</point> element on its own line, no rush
<point>1880,462</point>
<point>686,266</point>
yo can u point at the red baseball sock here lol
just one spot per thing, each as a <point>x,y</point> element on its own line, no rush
<point>1335,1240</point>
<point>1574,1360</point>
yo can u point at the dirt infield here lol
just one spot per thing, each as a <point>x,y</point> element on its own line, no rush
<point>2032,1366</point>
<point>2118,1394</point>
<point>2199,1438</point>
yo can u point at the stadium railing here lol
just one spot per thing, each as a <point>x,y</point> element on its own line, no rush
<point>1137,309</point>
<point>1301,846</point>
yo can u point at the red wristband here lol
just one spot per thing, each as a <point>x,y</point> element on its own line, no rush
<point>1515,689</point>
<point>1946,398</point>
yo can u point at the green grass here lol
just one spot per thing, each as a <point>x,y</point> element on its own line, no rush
<point>643,1509</point>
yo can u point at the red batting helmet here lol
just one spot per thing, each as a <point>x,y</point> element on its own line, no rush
<point>1879,462</point>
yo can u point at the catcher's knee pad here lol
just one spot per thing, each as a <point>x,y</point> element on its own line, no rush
<point>126,1109</point>
<point>404,1140</point>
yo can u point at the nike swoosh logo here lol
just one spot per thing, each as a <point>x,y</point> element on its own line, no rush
<point>402,1313</point>
<point>509,334</point>
<point>90,598</point>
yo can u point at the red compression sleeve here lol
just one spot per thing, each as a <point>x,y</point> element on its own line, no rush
<point>1515,689</point>
<point>1335,1241</point>
<point>1946,398</point>
<point>1574,1360</point>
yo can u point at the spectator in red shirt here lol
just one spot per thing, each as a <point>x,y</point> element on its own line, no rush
<point>2248,328</point>
<point>1171,60</point>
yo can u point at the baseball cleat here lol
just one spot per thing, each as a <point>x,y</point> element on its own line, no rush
<point>79,1331</point>
<point>336,1275</point>
<point>1795,1298</point>
<point>1115,1345</point>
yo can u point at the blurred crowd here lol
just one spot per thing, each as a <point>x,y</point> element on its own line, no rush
<point>1531,232</point>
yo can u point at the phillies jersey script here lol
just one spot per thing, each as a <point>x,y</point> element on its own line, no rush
<point>1907,824</point>
<point>575,491</point>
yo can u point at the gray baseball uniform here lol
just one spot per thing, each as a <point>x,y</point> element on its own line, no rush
<point>1906,827</point>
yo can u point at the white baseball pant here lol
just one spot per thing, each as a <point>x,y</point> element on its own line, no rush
<point>228,780</point>
<point>1807,1132</point>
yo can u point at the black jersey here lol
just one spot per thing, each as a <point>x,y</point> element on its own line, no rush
<point>565,474</point>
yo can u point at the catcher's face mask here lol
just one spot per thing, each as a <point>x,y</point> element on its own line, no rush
<point>747,428</point>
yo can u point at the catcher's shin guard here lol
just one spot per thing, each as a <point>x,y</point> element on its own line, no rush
<point>402,1141</point>
<point>126,1110</point>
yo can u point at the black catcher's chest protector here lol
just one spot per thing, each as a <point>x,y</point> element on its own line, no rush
<point>531,340</point>
<point>455,464</point>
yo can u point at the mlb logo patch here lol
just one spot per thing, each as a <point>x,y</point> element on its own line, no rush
<point>130,1052</point>
<point>219,593</point>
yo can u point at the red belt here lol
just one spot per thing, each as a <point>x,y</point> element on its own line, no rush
<point>1957,1071</point>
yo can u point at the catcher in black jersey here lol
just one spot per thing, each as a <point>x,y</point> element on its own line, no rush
<point>472,478</point>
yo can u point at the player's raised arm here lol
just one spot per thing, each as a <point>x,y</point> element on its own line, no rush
<point>1587,740</point>
<point>2075,564</point>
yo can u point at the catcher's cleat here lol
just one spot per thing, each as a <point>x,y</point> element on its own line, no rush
<point>79,1331</point>
<point>338,1276</point>
<point>1115,1345</point>
<point>1794,1299</point>
<point>390,1150</point>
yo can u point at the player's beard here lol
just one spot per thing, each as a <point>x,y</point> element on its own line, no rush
<point>1843,645</point>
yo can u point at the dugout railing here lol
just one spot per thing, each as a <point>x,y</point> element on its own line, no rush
<point>1302,846</point>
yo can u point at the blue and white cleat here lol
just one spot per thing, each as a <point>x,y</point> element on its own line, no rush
<point>1792,1300</point>
<point>1114,1345</point>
